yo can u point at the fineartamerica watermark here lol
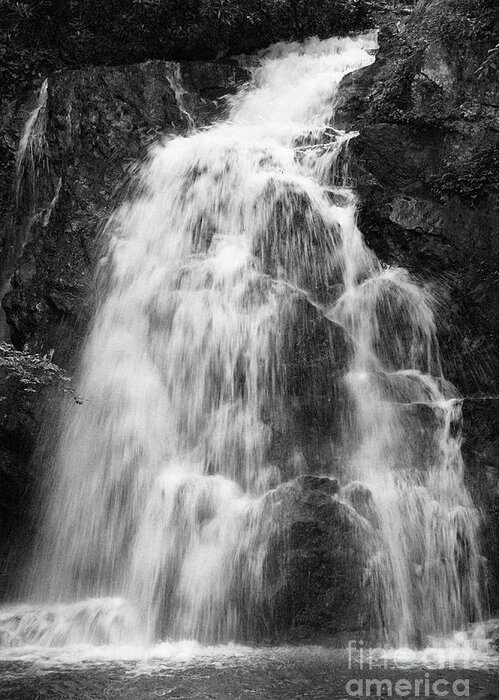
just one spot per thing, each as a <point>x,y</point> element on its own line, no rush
<point>402,687</point>
<point>361,657</point>
<point>422,685</point>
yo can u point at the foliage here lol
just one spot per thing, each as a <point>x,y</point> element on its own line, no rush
<point>37,36</point>
<point>468,29</point>
<point>24,378</point>
<point>29,373</point>
<point>471,177</point>
<point>459,35</point>
<point>489,67</point>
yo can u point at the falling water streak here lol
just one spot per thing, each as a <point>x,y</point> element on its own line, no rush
<point>28,165</point>
<point>31,144</point>
<point>175,82</point>
<point>160,490</point>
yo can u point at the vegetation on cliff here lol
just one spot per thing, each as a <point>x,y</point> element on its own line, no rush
<point>39,37</point>
<point>31,387</point>
<point>24,380</point>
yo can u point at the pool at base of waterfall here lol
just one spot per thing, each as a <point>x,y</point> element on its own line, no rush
<point>189,670</point>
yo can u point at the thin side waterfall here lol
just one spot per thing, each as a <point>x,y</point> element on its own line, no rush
<point>31,145</point>
<point>160,520</point>
<point>31,162</point>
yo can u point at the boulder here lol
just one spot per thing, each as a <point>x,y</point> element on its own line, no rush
<point>328,544</point>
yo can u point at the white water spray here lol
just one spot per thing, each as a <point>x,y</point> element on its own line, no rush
<point>159,483</point>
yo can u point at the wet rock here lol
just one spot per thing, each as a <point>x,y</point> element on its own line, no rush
<point>416,214</point>
<point>319,483</point>
<point>480,452</point>
<point>490,631</point>
<point>361,499</point>
<point>323,591</point>
<point>313,361</point>
<point>436,66</point>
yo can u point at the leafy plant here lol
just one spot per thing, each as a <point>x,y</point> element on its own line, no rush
<point>37,37</point>
<point>31,372</point>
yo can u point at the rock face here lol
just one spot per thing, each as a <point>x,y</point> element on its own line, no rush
<point>92,127</point>
<point>425,167</point>
<point>30,388</point>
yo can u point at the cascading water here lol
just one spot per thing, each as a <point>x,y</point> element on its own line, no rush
<point>429,572</point>
<point>158,492</point>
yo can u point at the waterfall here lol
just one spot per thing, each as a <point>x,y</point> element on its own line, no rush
<point>159,510</point>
